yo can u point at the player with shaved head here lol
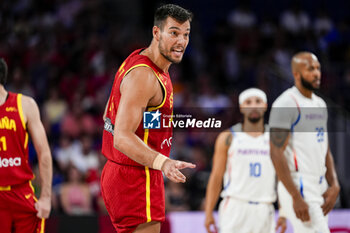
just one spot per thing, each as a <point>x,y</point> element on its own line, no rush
<point>308,185</point>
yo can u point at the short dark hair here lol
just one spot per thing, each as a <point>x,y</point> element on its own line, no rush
<point>3,71</point>
<point>174,11</point>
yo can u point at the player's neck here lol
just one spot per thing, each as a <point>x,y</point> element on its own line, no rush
<point>305,92</point>
<point>152,52</point>
<point>3,94</point>
<point>253,129</point>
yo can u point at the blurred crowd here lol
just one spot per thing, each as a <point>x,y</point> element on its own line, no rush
<point>64,53</point>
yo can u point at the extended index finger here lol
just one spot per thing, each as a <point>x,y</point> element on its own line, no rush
<point>182,165</point>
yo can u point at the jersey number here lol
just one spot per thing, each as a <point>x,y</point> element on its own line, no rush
<point>255,169</point>
<point>320,134</point>
<point>3,146</point>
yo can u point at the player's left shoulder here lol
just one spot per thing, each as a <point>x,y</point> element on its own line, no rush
<point>28,102</point>
<point>30,108</point>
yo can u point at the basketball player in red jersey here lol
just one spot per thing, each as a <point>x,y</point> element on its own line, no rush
<point>132,180</point>
<point>20,211</point>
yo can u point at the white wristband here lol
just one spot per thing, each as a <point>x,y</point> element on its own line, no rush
<point>282,213</point>
<point>159,161</point>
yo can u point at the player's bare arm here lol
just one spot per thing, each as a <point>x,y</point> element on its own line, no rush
<point>140,89</point>
<point>105,112</point>
<point>222,144</point>
<point>331,194</point>
<point>38,136</point>
<point>278,142</point>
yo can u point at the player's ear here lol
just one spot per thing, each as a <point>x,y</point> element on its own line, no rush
<point>156,32</point>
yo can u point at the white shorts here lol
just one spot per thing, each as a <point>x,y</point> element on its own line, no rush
<point>318,222</point>
<point>236,216</point>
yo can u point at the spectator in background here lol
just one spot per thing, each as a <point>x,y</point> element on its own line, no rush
<point>88,158</point>
<point>71,122</point>
<point>64,152</point>
<point>79,154</point>
<point>95,186</point>
<point>232,63</point>
<point>295,20</point>
<point>69,83</point>
<point>78,120</point>
<point>54,107</point>
<point>19,83</point>
<point>67,11</point>
<point>176,197</point>
<point>242,17</point>
<point>75,194</point>
<point>322,23</point>
<point>180,149</point>
<point>344,88</point>
<point>197,183</point>
<point>281,55</point>
<point>209,99</point>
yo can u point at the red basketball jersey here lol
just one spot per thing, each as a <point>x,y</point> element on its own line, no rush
<point>14,166</point>
<point>158,139</point>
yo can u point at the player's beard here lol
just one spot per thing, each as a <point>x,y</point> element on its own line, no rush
<point>164,52</point>
<point>254,120</point>
<point>307,85</point>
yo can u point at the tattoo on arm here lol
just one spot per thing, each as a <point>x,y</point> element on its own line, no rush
<point>278,136</point>
<point>228,139</point>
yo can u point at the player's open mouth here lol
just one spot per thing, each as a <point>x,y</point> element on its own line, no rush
<point>178,52</point>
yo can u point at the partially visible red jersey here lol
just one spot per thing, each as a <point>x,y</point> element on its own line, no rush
<point>157,139</point>
<point>14,165</point>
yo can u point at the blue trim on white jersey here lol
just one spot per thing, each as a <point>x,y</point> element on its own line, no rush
<point>296,121</point>
<point>228,184</point>
<point>301,187</point>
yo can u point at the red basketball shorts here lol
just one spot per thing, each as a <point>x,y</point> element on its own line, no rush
<point>133,195</point>
<point>17,211</point>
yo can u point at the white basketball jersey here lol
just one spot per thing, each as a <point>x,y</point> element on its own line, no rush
<point>306,152</point>
<point>249,174</point>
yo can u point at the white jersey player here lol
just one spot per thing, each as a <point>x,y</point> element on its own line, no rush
<point>300,150</point>
<point>243,165</point>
